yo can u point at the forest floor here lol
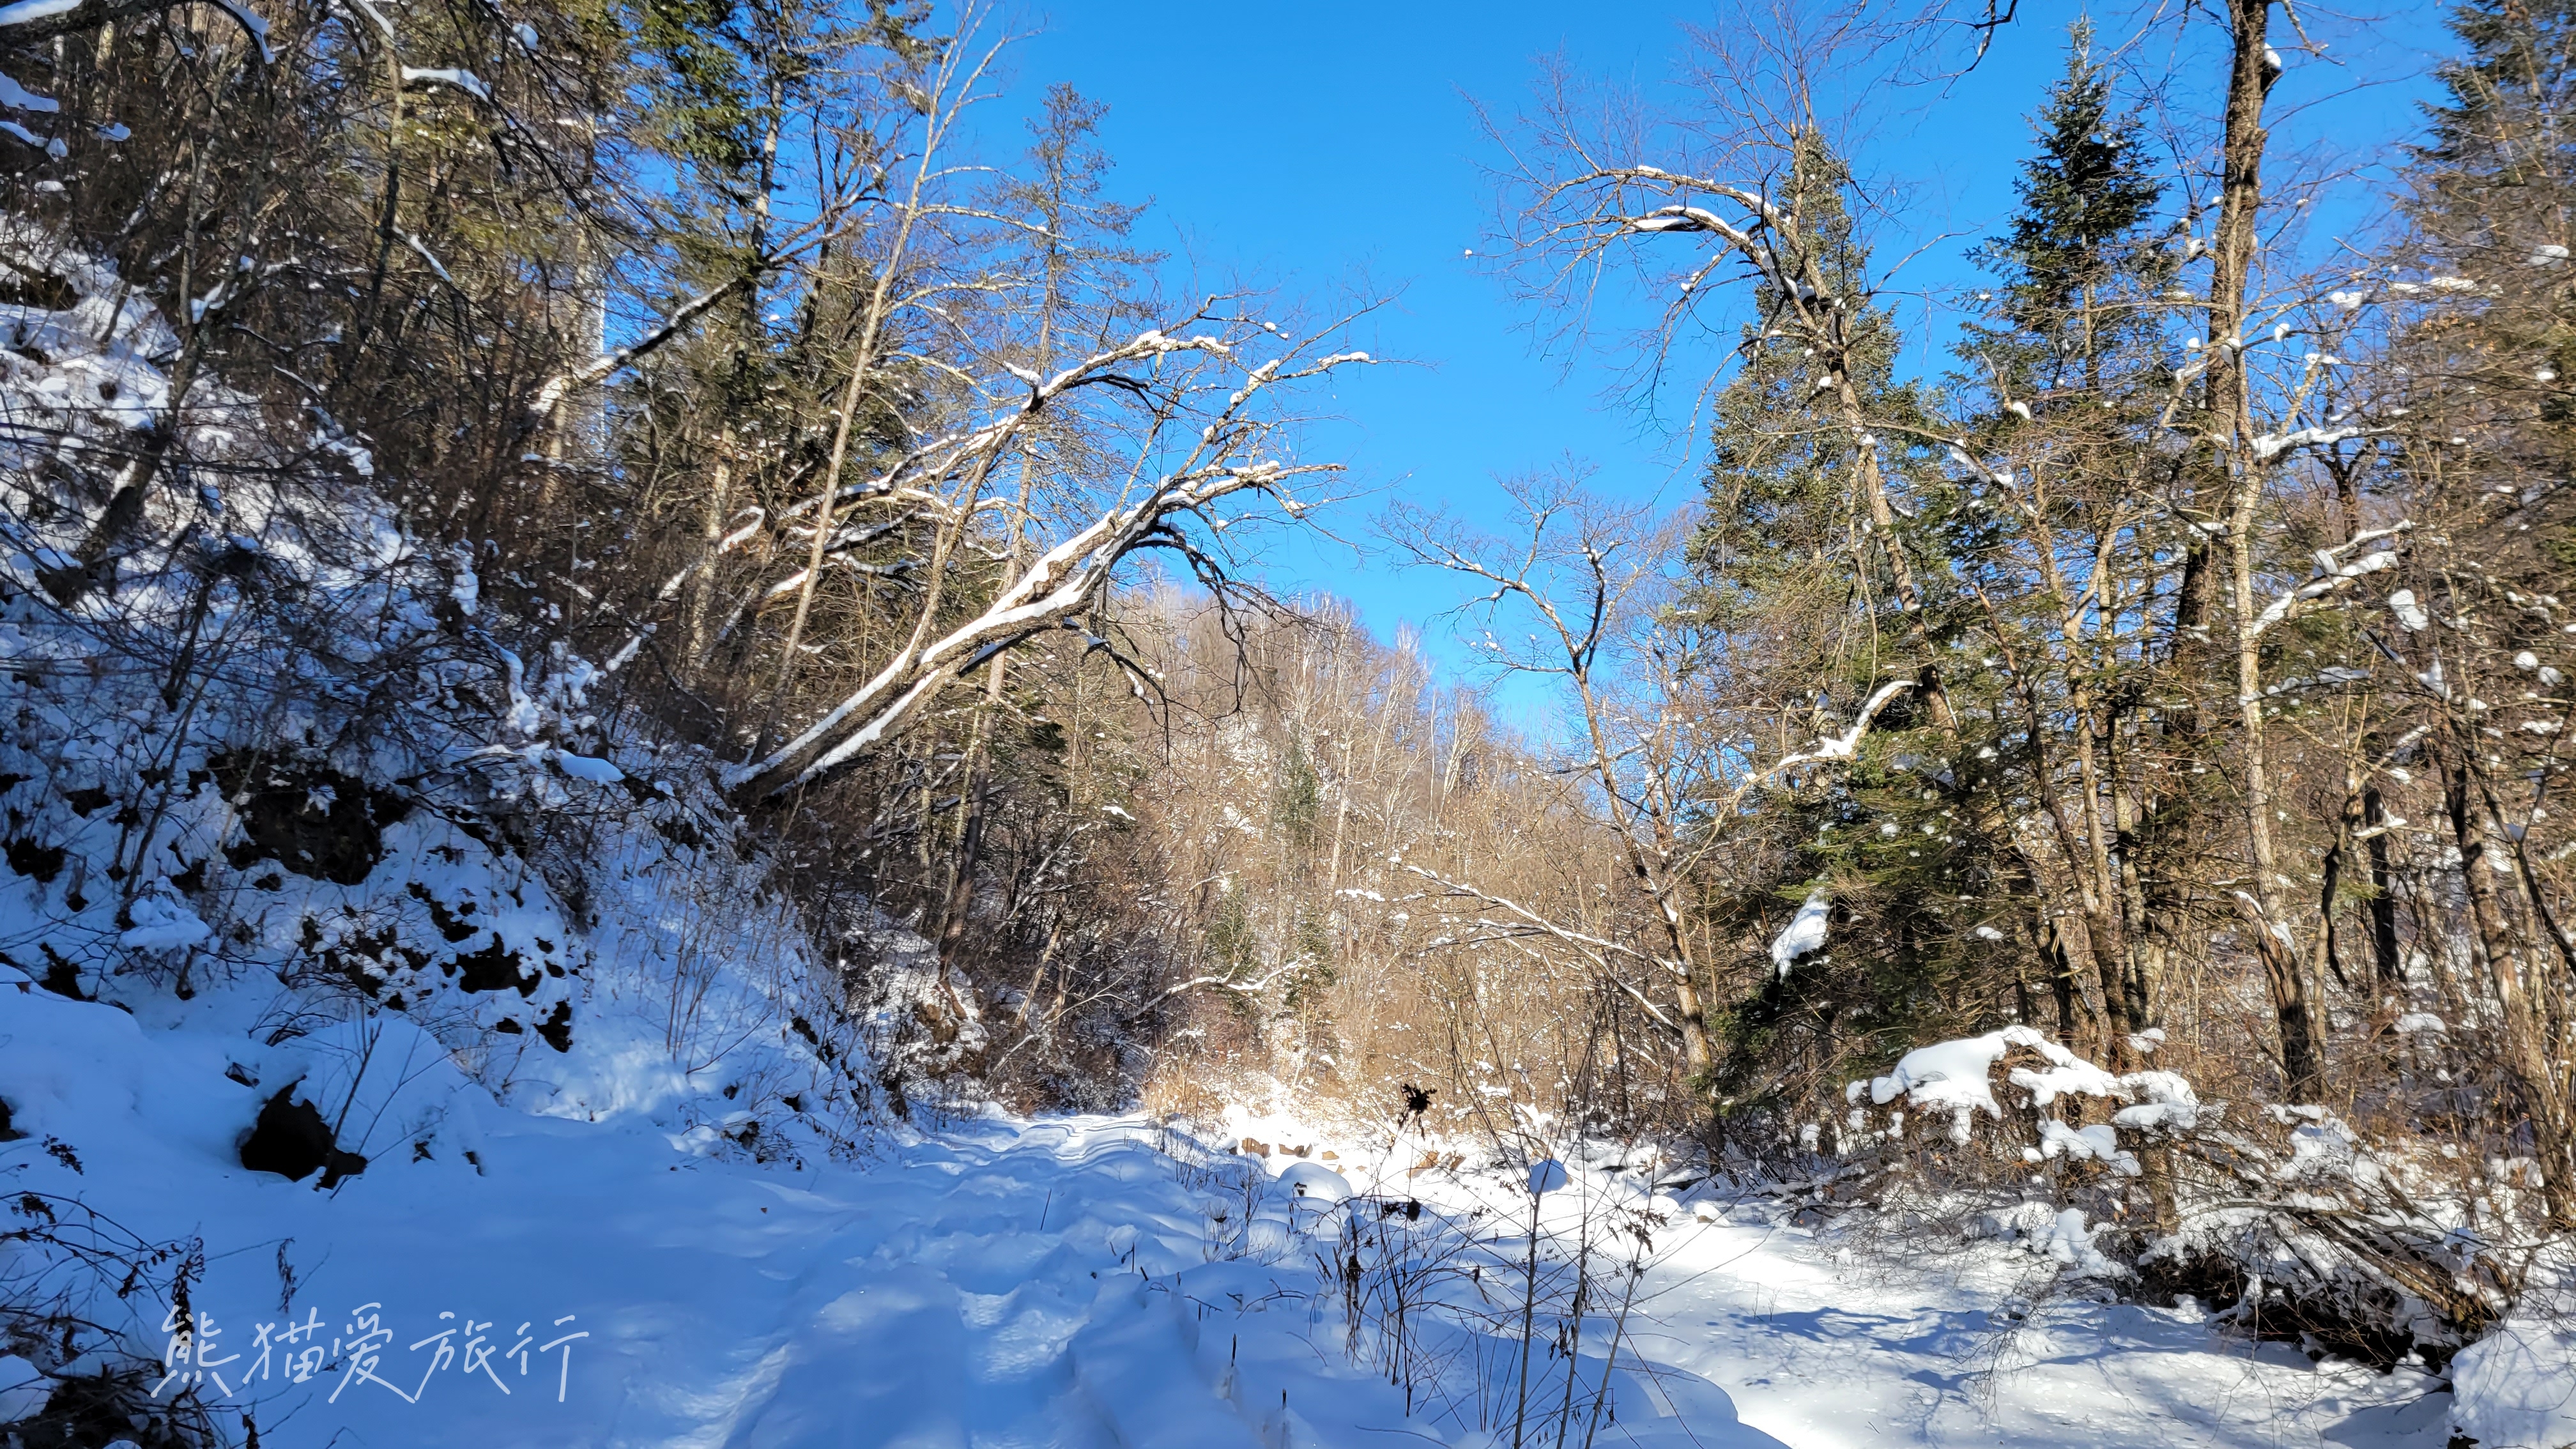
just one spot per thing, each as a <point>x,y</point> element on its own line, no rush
<point>1005,1282</point>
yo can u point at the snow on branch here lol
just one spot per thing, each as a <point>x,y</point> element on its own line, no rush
<point>27,21</point>
<point>2333,574</point>
<point>32,20</point>
<point>1805,933</point>
<point>1067,580</point>
<point>1253,987</point>
<point>1828,748</point>
<point>421,78</point>
<point>607,364</point>
<point>599,369</point>
<point>2268,446</point>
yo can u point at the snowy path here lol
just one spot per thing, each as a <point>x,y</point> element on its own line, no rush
<point>1000,1284</point>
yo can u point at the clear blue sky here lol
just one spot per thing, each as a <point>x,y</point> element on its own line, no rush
<point>1333,145</point>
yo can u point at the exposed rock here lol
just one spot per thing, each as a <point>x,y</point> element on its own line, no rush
<point>291,1140</point>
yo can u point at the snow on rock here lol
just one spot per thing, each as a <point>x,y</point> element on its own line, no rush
<point>1315,1183</point>
<point>1546,1175</point>
<point>163,924</point>
<point>1804,934</point>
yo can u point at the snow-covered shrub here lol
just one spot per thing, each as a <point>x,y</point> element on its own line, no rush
<point>2063,1181</point>
<point>2319,1236</point>
<point>2291,1220</point>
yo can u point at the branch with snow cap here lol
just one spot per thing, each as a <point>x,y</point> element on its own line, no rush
<point>1068,580</point>
<point>599,369</point>
<point>2334,574</point>
<point>28,21</point>
<point>1847,744</point>
<point>1827,749</point>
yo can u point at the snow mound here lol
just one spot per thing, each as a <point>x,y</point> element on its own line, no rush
<point>2516,1387</point>
<point>1315,1183</point>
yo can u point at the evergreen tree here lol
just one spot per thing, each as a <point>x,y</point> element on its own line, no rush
<point>1787,571</point>
<point>2084,258</point>
<point>2065,373</point>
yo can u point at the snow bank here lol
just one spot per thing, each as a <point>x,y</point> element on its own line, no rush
<point>2516,1387</point>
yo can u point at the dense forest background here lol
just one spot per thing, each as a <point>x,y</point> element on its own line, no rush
<point>2178,674</point>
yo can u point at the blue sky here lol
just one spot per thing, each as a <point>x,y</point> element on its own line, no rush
<point>1333,146</point>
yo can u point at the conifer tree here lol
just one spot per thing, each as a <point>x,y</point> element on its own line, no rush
<point>2064,373</point>
<point>1790,570</point>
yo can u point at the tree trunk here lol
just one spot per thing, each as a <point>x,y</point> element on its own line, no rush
<point>2545,1096</point>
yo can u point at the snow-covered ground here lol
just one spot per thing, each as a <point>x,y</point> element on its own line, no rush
<point>1001,1282</point>
<point>1820,1349</point>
